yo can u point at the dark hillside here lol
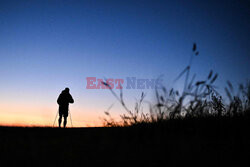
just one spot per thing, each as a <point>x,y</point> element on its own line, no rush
<point>203,142</point>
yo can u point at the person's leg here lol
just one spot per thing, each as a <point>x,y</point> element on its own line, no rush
<point>60,120</point>
<point>65,121</point>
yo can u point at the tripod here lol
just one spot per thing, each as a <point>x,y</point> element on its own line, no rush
<point>69,116</point>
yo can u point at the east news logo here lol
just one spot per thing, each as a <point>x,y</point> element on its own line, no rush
<point>119,83</point>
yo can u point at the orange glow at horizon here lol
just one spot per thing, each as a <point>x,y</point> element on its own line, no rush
<point>32,115</point>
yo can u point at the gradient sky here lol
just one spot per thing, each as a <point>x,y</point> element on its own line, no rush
<point>46,46</point>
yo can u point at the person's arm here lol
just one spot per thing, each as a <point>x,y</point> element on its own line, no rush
<point>71,100</point>
<point>59,99</point>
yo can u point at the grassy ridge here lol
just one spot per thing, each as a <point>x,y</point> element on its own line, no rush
<point>195,141</point>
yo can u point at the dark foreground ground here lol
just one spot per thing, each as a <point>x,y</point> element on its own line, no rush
<point>203,142</point>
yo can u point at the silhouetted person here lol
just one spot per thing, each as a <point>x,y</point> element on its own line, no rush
<point>63,100</point>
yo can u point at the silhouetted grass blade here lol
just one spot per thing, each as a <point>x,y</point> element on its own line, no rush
<point>228,94</point>
<point>194,47</point>
<point>210,74</point>
<point>230,86</point>
<point>214,78</point>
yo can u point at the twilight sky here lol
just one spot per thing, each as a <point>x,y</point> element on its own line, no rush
<point>46,46</point>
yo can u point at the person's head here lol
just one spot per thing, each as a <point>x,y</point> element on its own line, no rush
<point>66,90</point>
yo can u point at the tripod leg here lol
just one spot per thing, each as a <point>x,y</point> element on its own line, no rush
<point>55,117</point>
<point>70,119</point>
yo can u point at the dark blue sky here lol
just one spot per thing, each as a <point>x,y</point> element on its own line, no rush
<point>47,45</point>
